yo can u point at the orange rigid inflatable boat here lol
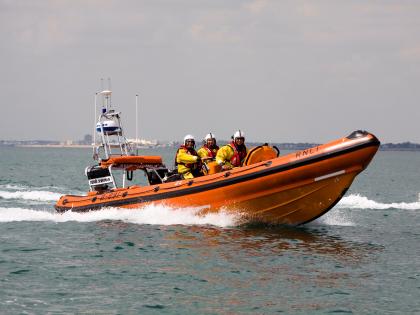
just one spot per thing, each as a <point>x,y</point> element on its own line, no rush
<point>292,189</point>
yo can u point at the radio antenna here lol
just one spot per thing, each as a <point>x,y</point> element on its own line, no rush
<point>137,117</point>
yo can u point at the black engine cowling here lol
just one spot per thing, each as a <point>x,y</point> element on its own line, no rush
<point>98,177</point>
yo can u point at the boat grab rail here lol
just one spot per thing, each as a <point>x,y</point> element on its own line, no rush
<point>177,184</point>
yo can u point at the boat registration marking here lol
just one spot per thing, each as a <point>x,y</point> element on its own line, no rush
<point>100,181</point>
<point>329,175</point>
<point>304,153</point>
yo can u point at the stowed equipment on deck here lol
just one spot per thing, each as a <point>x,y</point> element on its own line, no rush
<point>114,152</point>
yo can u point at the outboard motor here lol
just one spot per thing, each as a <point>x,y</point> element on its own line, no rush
<point>98,177</point>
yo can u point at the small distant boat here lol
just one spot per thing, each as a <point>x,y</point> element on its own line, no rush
<point>292,189</point>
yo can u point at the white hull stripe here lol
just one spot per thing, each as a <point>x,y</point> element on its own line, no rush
<point>329,175</point>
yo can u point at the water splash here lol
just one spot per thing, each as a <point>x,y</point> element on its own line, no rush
<point>360,202</point>
<point>151,214</point>
<point>336,217</point>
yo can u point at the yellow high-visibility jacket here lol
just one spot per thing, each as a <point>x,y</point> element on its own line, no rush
<point>186,162</point>
<point>225,155</point>
<point>203,152</point>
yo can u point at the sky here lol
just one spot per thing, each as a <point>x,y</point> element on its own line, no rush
<point>279,70</point>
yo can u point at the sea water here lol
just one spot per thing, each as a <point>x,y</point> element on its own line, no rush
<point>363,257</point>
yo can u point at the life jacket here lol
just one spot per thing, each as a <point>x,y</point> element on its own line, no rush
<point>238,155</point>
<point>211,151</point>
<point>190,151</point>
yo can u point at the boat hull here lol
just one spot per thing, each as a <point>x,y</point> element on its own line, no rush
<point>292,189</point>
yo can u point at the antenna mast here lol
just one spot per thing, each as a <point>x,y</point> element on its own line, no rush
<point>137,117</point>
<point>94,119</point>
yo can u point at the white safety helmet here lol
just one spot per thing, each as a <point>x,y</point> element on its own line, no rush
<point>188,137</point>
<point>238,134</point>
<point>210,136</point>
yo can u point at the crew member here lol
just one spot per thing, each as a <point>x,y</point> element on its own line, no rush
<point>233,154</point>
<point>209,149</point>
<point>187,159</point>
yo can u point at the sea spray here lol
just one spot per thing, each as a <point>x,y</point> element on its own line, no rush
<point>151,214</point>
<point>337,217</point>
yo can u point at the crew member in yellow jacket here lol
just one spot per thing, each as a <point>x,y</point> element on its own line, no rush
<point>187,159</point>
<point>233,154</point>
<point>209,149</point>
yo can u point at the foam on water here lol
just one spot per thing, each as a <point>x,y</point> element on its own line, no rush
<point>16,187</point>
<point>360,202</point>
<point>37,195</point>
<point>340,215</point>
<point>151,214</point>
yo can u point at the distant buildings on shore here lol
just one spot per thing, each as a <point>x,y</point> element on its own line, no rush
<point>85,142</point>
<point>404,146</point>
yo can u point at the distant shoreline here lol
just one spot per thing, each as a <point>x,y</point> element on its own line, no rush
<point>51,146</point>
<point>70,146</point>
<point>282,146</point>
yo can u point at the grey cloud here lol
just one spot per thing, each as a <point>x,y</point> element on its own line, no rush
<point>280,70</point>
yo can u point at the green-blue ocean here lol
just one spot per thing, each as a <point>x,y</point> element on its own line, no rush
<point>363,257</point>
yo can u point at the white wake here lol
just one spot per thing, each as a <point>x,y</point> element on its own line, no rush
<point>360,202</point>
<point>37,195</point>
<point>151,214</point>
<point>342,215</point>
